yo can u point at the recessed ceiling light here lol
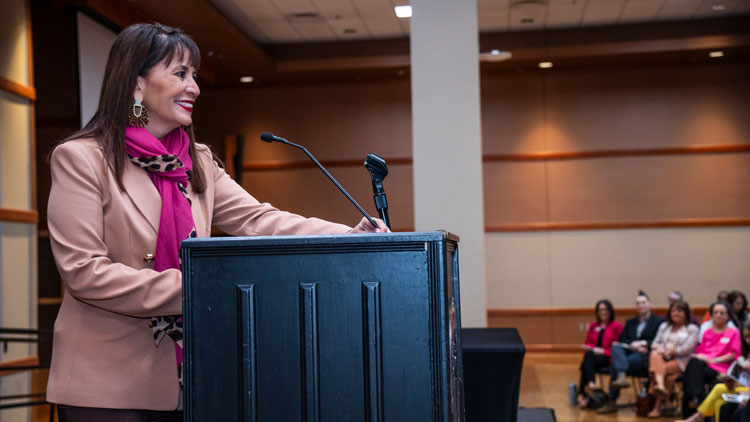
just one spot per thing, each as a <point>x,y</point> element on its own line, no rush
<point>718,7</point>
<point>403,11</point>
<point>246,79</point>
<point>716,54</point>
<point>495,56</point>
<point>545,65</point>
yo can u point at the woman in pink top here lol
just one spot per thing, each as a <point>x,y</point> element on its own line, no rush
<point>719,346</point>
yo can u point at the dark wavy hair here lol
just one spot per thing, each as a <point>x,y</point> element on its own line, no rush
<point>740,316</point>
<point>745,346</point>
<point>135,51</point>
<point>609,306</point>
<point>684,307</point>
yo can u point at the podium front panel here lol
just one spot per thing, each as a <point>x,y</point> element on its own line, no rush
<point>322,328</point>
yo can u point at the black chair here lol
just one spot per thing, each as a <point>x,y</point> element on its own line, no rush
<point>22,335</point>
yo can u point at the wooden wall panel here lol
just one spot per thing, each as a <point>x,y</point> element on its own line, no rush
<point>513,114</point>
<point>515,192</point>
<point>650,188</point>
<point>646,108</point>
<point>333,121</point>
<point>310,193</point>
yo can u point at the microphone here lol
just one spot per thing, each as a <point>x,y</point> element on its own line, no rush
<point>378,169</point>
<point>270,137</point>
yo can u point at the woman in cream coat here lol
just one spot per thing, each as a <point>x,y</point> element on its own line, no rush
<point>107,218</point>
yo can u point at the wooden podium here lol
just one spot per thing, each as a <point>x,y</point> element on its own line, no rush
<point>323,328</point>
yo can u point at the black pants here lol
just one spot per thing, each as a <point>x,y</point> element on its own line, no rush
<point>697,375</point>
<point>93,414</point>
<point>591,363</point>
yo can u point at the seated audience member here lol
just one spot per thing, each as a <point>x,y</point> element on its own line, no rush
<point>632,356</point>
<point>722,296</point>
<point>671,349</point>
<point>598,343</point>
<point>736,412</point>
<point>738,302</point>
<point>714,404</point>
<point>676,295</point>
<point>719,346</point>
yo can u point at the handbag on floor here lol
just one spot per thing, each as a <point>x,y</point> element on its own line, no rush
<point>597,399</point>
<point>644,404</point>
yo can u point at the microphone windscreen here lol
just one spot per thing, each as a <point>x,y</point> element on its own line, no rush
<point>267,137</point>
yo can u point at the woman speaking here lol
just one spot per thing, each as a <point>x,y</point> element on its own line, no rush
<point>126,190</point>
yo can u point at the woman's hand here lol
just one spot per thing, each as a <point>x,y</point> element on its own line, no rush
<point>702,357</point>
<point>598,351</point>
<point>365,226</point>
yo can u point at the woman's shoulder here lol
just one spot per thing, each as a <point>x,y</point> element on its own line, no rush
<point>85,146</point>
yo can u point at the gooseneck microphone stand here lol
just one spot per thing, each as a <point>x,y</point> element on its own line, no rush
<point>270,137</point>
<point>378,169</point>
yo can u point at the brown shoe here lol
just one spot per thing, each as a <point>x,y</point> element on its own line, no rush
<point>660,391</point>
<point>621,381</point>
<point>610,407</point>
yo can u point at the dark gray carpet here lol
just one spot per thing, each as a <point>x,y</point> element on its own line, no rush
<point>538,414</point>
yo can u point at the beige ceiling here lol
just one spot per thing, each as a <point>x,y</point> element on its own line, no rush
<point>294,21</point>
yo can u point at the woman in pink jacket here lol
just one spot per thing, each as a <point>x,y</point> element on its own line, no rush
<point>126,190</point>
<point>598,344</point>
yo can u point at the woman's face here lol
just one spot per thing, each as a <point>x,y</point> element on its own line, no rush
<point>720,316</point>
<point>603,312</point>
<point>169,91</point>
<point>678,316</point>
<point>738,305</point>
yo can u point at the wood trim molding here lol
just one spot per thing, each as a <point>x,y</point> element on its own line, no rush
<point>531,156</point>
<point>24,91</point>
<point>617,225</point>
<point>19,216</point>
<point>295,165</point>
<point>23,362</point>
<point>553,348</point>
<point>586,312</point>
<point>572,155</point>
<point>46,301</point>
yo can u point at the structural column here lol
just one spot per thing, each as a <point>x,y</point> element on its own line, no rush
<point>447,142</point>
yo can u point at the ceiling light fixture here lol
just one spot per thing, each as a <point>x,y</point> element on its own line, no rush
<point>403,11</point>
<point>718,7</point>
<point>495,56</point>
<point>246,79</point>
<point>545,65</point>
<point>715,54</point>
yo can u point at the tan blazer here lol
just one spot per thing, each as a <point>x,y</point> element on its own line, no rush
<point>103,353</point>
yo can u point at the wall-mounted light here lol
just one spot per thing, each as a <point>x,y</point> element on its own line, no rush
<point>403,11</point>
<point>246,79</point>
<point>718,7</point>
<point>545,65</point>
<point>715,54</point>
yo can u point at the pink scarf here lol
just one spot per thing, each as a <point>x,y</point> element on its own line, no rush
<point>176,222</point>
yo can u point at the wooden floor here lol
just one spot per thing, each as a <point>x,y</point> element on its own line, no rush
<point>544,383</point>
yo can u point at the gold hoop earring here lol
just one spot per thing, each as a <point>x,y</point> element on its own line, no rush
<point>138,115</point>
